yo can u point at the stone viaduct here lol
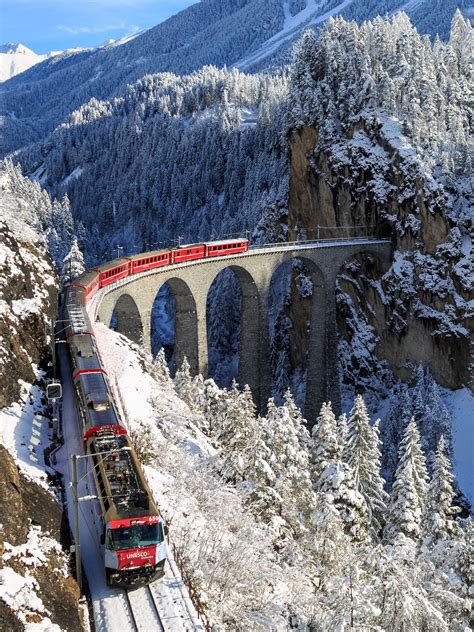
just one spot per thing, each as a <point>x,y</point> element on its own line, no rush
<point>132,300</point>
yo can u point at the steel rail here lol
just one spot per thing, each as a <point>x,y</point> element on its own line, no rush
<point>160,620</point>
<point>154,608</point>
<point>130,609</point>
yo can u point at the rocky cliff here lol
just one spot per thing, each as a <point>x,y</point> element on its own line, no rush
<point>418,311</point>
<point>36,585</point>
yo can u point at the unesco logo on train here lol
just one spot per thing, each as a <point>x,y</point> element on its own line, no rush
<point>137,554</point>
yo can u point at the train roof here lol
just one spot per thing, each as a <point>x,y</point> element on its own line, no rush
<point>111,264</point>
<point>227,241</point>
<point>100,410</point>
<point>85,279</point>
<point>79,322</point>
<point>124,492</point>
<point>150,253</point>
<point>84,352</point>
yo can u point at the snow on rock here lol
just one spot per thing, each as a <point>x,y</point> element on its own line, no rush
<point>35,550</point>
<point>35,583</point>
<point>19,594</point>
<point>25,432</point>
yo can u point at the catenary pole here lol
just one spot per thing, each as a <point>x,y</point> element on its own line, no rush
<point>77,543</point>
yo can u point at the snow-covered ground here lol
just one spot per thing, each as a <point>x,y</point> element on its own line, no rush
<point>310,16</point>
<point>25,432</point>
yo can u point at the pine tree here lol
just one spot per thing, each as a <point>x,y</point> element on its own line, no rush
<point>289,461</point>
<point>342,434</point>
<point>297,418</point>
<point>334,477</point>
<point>325,447</point>
<point>407,500</point>
<point>239,436</point>
<point>215,407</point>
<point>436,420</point>
<point>159,370</point>
<point>327,544</point>
<point>393,427</point>
<point>73,264</point>
<point>439,511</point>
<point>183,383</point>
<point>363,456</point>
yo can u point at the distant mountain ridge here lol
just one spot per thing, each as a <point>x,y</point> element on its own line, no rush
<point>16,58</point>
<point>250,34</point>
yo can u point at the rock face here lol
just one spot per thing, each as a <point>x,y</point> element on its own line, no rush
<point>23,503</point>
<point>28,299</point>
<point>418,311</point>
<point>34,537</point>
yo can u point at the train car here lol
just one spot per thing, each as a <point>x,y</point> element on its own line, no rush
<point>226,247</point>
<point>132,528</point>
<point>113,271</point>
<point>150,260</point>
<point>89,282</point>
<point>188,252</point>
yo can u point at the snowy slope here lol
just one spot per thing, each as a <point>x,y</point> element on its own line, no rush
<point>312,15</point>
<point>251,34</point>
<point>16,58</point>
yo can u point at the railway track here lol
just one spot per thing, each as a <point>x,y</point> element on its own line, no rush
<point>162,606</point>
<point>144,613</point>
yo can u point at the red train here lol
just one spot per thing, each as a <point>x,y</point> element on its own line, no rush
<point>120,268</point>
<point>132,529</point>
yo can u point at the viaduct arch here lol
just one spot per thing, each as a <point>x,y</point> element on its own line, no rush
<point>190,283</point>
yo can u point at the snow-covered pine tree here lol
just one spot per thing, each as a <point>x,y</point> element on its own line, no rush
<point>334,477</point>
<point>73,264</point>
<point>342,433</point>
<point>239,436</point>
<point>436,421</point>
<point>298,421</point>
<point>325,448</point>
<point>398,592</point>
<point>363,455</point>
<point>303,75</point>
<point>329,548</point>
<point>392,429</point>
<point>183,383</point>
<point>159,370</point>
<point>289,461</point>
<point>215,407</point>
<point>438,522</point>
<point>407,500</point>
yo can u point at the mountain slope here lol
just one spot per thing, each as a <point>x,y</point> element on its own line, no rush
<point>16,58</point>
<point>246,33</point>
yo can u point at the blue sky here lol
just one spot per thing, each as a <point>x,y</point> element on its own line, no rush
<point>45,25</point>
